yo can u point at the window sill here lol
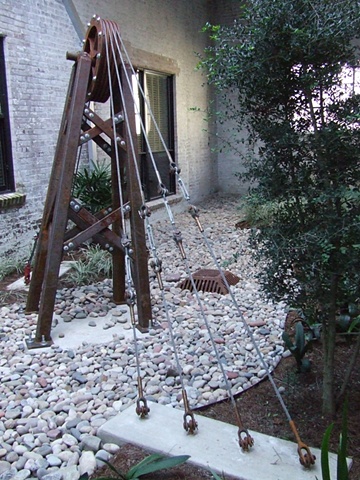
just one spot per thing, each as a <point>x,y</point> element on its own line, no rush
<point>11,200</point>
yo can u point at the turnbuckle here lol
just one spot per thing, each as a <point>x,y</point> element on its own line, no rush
<point>246,441</point>
<point>178,240</point>
<point>194,212</point>
<point>306,458</point>
<point>156,265</point>
<point>190,424</point>
<point>141,405</point>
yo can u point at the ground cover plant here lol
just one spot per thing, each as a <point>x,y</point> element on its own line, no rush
<point>285,72</point>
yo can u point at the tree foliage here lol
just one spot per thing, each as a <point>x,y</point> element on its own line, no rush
<point>290,66</point>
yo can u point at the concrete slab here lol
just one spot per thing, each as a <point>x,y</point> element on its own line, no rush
<point>20,284</point>
<point>71,335</point>
<point>214,447</point>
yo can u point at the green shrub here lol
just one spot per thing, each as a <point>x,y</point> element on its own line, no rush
<point>93,264</point>
<point>92,186</point>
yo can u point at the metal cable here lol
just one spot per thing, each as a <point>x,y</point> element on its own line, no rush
<point>112,112</point>
<point>147,102</point>
<point>130,86</point>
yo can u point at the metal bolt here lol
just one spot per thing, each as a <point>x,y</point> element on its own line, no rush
<point>123,143</point>
<point>66,248</point>
<point>77,208</point>
<point>89,94</point>
<point>94,78</point>
<point>87,135</point>
<point>98,19</point>
<point>100,34</point>
<point>131,251</point>
<point>111,249</point>
<point>98,55</point>
<point>43,341</point>
<point>107,246</point>
<point>72,203</point>
<point>88,24</point>
<point>86,110</point>
<point>82,138</point>
<point>91,115</point>
<point>94,16</point>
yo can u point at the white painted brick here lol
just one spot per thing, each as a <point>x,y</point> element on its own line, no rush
<point>38,35</point>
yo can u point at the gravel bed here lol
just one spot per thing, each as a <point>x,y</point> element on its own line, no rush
<point>53,400</point>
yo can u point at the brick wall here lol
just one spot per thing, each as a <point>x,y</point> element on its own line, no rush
<point>37,36</point>
<point>158,33</point>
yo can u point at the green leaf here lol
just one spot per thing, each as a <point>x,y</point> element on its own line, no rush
<point>215,475</point>
<point>354,324</point>
<point>299,337</point>
<point>325,469</point>
<point>342,468</point>
<point>151,458</point>
<point>119,475</point>
<point>288,342</point>
<point>154,463</point>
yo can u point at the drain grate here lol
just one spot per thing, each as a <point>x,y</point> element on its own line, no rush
<point>210,281</point>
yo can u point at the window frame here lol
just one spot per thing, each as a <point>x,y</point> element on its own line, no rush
<point>145,162</point>
<point>6,159</point>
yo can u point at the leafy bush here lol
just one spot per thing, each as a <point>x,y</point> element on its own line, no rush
<point>93,263</point>
<point>92,186</point>
<point>279,72</point>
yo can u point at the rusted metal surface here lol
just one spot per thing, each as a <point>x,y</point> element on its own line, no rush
<point>50,244</point>
<point>209,280</point>
<point>90,81</point>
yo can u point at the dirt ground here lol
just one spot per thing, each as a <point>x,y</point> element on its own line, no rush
<point>261,411</point>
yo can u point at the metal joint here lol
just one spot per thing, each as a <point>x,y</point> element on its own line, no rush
<point>156,265</point>
<point>178,240</point>
<point>194,212</point>
<point>306,458</point>
<point>245,439</point>
<point>125,241</point>
<point>130,296</point>
<point>163,190</point>
<point>174,168</point>
<point>141,405</point>
<point>144,211</point>
<point>190,424</point>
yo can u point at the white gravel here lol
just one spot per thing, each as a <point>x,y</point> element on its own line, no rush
<point>52,401</point>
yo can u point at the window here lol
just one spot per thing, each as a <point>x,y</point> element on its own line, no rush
<point>6,169</point>
<point>158,107</point>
